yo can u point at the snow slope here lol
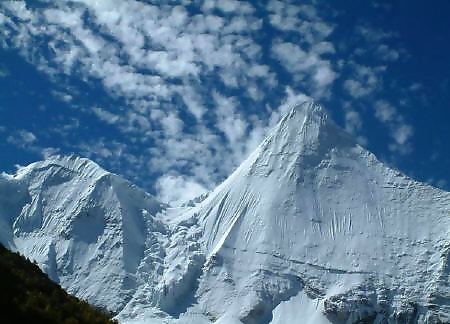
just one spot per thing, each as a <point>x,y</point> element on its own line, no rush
<point>87,228</point>
<point>311,228</point>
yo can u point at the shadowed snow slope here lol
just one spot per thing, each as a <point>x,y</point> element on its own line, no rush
<point>311,228</point>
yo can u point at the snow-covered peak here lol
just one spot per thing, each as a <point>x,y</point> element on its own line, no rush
<point>71,163</point>
<point>305,135</point>
<point>87,228</point>
<point>302,118</point>
<point>310,223</point>
<point>304,127</point>
<point>311,203</point>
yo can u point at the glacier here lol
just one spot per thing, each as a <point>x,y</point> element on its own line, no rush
<point>310,228</point>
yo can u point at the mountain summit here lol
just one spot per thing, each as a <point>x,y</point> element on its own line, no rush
<point>310,210</point>
<point>311,228</point>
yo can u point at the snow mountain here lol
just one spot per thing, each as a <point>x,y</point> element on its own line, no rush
<point>88,229</point>
<point>311,228</point>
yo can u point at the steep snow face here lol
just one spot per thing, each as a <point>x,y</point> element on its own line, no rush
<point>311,228</point>
<point>311,210</point>
<point>87,228</point>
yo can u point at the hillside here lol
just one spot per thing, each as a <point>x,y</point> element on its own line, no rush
<point>29,296</point>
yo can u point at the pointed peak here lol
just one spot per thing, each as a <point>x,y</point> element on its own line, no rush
<point>304,136</point>
<point>307,118</point>
<point>308,109</point>
<point>307,106</point>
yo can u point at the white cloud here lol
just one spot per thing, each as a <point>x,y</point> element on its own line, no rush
<point>105,115</point>
<point>403,133</point>
<point>415,86</point>
<point>27,137</point>
<point>242,24</point>
<point>65,97</point>
<point>355,88</point>
<point>373,34</point>
<point>400,131</point>
<point>166,63</point>
<point>384,111</point>
<point>229,6</point>
<point>22,138</point>
<point>305,65</point>
<point>205,23</point>
<point>386,53</point>
<point>27,140</point>
<point>65,18</point>
<point>172,124</point>
<point>353,121</point>
<point>101,148</point>
<point>323,48</point>
<point>193,100</point>
<point>284,16</point>
<point>362,140</point>
<point>177,190</point>
<point>365,81</point>
<point>304,59</point>
<point>302,19</point>
<point>377,44</point>
<point>324,75</point>
<point>49,151</point>
<point>228,121</point>
<point>19,8</point>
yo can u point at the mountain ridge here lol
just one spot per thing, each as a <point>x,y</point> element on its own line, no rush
<point>310,222</point>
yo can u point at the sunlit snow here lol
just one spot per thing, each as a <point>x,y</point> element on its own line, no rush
<point>311,228</point>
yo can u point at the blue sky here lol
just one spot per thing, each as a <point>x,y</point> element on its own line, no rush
<point>173,95</point>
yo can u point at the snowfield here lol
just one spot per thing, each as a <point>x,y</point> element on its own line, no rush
<point>311,228</point>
